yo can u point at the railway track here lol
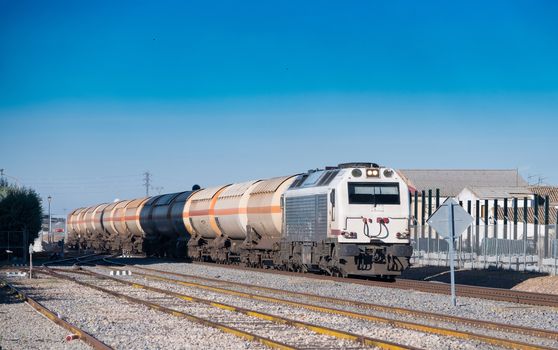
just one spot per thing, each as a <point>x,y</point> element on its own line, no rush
<point>452,326</point>
<point>216,286</point>
<point>409,313</point>
<point>497,294</point>
<point>77,333</point>
<point>248,324</point>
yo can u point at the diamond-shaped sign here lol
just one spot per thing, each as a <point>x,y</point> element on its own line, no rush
<point>440,220</point>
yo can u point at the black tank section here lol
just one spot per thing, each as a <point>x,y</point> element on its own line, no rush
<point>146,222</point>
<point>161,219</point>
<point>176,212</point>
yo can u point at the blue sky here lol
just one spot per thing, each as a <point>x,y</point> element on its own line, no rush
<point>92,94</point>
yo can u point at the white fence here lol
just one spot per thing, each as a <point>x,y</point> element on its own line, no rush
<point>516,247</point>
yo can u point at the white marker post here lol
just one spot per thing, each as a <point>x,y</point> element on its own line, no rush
<point>30,260</point>
<point>452,255</point>
<point>450,220</point>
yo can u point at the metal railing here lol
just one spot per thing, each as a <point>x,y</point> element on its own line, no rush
<point>484,246</point>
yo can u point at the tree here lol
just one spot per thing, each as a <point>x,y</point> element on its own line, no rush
<point>4,186</point>
<point>20,209</point>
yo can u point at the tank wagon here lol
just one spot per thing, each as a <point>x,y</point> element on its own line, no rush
<point>349,219</point>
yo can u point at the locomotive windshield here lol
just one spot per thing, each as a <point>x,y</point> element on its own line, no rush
<point>373,193</point>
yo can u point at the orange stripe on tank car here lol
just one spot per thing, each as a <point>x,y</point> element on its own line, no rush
<point>229,211</point>
<point>272,209</point>
<point>202,212</point>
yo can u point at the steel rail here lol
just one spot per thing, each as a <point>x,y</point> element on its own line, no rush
<point>378,319</point>
<point>69,259</point>
<point>512,296</point>
<point>540,333</point>
<point>364,340</point>
<point>227,329</point>
<point>81,334</point>
<point>498,294</point>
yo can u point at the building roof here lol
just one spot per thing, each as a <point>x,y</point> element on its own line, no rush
<point>552,212</point>
<point>452,181</point>
<point>550,191</point>
<point>500,192</point>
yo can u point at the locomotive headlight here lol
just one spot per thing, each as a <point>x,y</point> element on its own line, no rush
<point>388,173</point>
<point>356,173</point>
<point>372,173</point>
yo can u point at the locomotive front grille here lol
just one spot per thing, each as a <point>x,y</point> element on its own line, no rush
<point>306,218</point>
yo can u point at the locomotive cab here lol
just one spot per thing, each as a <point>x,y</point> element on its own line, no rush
<point>351,219</point>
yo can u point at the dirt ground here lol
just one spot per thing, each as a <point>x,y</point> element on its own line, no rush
<point>547,285</point>
<point>526,281</point>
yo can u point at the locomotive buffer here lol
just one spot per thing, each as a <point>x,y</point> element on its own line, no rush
<point>450,220</point>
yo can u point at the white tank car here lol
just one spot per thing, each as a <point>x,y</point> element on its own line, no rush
<point>351,219</point>
<point>238,222</point>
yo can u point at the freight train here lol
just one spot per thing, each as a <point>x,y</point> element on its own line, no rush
<point>348,219</point>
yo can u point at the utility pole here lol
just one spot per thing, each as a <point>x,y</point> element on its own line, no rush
<point>146,182</point>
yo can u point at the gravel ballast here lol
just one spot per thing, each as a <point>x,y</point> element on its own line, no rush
<point>124,325</point>
<point>481,309</point>
<point>297,337</point>
<point>362,327</point>
<point>25,328</point>
<point>359,326</point>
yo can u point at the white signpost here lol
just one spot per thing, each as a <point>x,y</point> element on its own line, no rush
<point>30,260</point>
<point>450,220</point>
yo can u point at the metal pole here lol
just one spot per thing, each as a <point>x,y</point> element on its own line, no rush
<point>505,218</point>
<point>422,219</point>
<point>31,261</point>
<point>422,201</point>
<point>460,243</point>
<point>477,224</point>
<point>515,218</point>
<point>470,233</point>
<point>485,230</point>
<point>536,231</point>
<point>486,223</point>
<point>536,217</point>
<point>525,234</point>
<point>429,214</point>
<point>416,206</point>
<point>49,221</point>
<point>452,267</point>
<point>437,235</point>
<point>546,223</point>
<point>524,245</point>
<point>417,236</point>
<point>495,218</point>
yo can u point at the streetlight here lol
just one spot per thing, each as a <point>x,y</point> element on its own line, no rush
<point>49,220</point>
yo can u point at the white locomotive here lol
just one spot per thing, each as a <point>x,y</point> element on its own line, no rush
<point>349,219</point>
<point>353,219</point>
